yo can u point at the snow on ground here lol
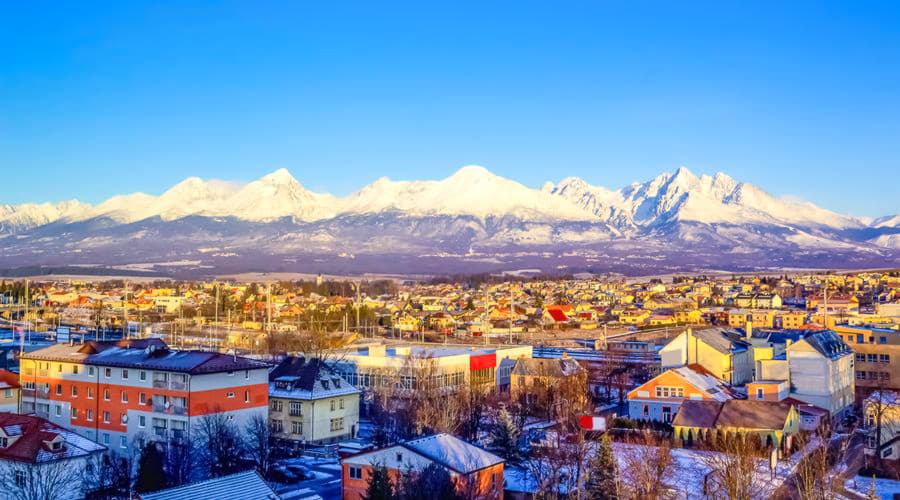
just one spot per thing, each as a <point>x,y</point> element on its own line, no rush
<point>884,488</point>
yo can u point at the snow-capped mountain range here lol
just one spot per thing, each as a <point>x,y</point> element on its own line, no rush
<point>472,216</point>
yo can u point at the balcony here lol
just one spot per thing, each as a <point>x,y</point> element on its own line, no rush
<point>36,393</point>
<point>42,373</point>
<point>170,409</point>
<point>178,410</point>
<point>177,386</point>
<point>160,384</point>
<point>161,432</point>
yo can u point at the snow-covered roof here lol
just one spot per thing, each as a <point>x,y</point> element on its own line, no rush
<point>446,450</point>
<point>714,387</point>
<point>241,486</point>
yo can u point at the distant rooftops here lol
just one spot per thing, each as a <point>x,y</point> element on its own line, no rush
<point>150,354</point>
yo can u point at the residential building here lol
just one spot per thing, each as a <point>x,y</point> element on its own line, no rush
<point>122,393</point>
<point>821,371</point>
<point>882,408</point>
<point>9,392</point>
<point>877,357</point>
<point>30,444</point>
<point>475,472</point>
<point>659,398</point>
<point>309,403</point>
<point>724,353</point>
<point>535,380</point>
<point>774,422</point>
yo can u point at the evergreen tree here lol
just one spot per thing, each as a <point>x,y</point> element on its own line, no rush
<point>380,485</point>
<point>150,473</point>
<point>431,483</point>
<point>504,438</point>
<point>602,480</point>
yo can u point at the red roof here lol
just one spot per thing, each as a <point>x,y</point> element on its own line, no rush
<point>9,378</point>
<point>557,315</point>
<point>33,433</point>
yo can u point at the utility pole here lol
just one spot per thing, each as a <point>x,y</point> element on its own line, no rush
<point>24,323</point>
<point>125,331</point>
<point>216,324</point>
<point>512,310</point>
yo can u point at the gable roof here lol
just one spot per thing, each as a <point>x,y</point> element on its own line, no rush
<point>701,379</point>
<point>734,413</point>
<point>721,339</point>
<point>246,485</point>
<point>453,453</point>
<point>9,380</point>
<point>32,432</point>
<point>301,378</point>
<point>448,451</point>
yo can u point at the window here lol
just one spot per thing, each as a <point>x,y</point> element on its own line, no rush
<point>4,442</point>
<point>59,389</point>
<point>884,358</point>
<point>277,426</point>
<point>124,374</point>
<point>124,397</point>
<point>246,396</point>
<point>759,393</point>
<point>106,417</point>
<point>123,442</point>
<point>19,478</point>
<point>246,374</point>
<point>860,358</point>
<point>860,375</point>
<point>229,395</point>
<point>337,424</point>
<point>888,452</point>
<point>7,393</point>
<point>341,405</point>
<point>355,472</point>
<point>106,394</point>
<point>74,391</point>
<point>91,371</point>
<point>882,340</point>
<point>296,427</point>
<point>884,376</point>
<point>143,376</point>
<point>75,369</point>
<point>90,415</point>
<point>74,413</point>
<point>859,339</point>
<point>646,410</point>
<point>142,398</point>
<point>277,405</point>
<point>142,421</point>
<point>105,438</point>
<point>669,392</point>
<point>59,368</point>
<point>332,405</point>
<point>870,441</point>
<point>90,393</point>
<point>107,372</point>
<point>58,410</point>
<point>296,409</point>
<point>871,358</point>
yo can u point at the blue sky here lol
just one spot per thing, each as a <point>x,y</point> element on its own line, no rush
<point>800,98</point>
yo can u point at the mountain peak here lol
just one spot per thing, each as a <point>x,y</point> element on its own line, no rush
<point>280,176</point>
<point>472,172</point>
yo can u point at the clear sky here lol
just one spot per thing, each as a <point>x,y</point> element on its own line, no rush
<point>104,98</point>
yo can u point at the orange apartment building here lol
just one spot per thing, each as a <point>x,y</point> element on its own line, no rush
<point>475,472</point>
<point>122,393</point>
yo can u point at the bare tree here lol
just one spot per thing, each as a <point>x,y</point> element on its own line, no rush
<point>46,481</point>
<point>108,476</point>
<point>814,478</point>
<point>259,443</point>
<point>181,456</point>
<point>732,468</point>
<point>219,444</point>
<point>882,413</point>
<point>648,468</point>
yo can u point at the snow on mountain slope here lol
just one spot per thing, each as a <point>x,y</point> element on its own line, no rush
<point>472,190</point>
<point>683,196</point>
<point>279,195</point>
<point>28,215</point>
<point>887,221</point>
<point>887,241</point>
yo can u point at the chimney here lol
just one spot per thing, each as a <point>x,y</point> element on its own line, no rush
<point>749,329</point>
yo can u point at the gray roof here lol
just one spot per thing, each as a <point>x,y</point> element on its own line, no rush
<point>697,414</point>
<point>453,452</point>
<point>828,344</point>
<point>722,339</point>
<point>742,413</point>
<point>241,486</point>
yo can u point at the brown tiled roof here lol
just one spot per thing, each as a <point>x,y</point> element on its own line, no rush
<point>698,414</point>
<point>32,432</point>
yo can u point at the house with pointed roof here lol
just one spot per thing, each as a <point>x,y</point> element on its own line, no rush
<point>475,472</point>
<point>310,403</point>
<point>774,422</point>
<point>660,397</point>
<point>9,391</point>
<point>30,444</point>
<point>721,351</point>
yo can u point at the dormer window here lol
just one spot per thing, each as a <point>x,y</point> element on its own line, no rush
<point>4,442</point>
<point>325,384</point>
<point>400,457</point>
<point>55,446</point>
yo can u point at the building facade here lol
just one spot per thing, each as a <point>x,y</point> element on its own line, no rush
<point>125,392</point>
